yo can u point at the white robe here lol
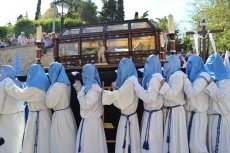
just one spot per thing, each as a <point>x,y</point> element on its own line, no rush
<point>198,102</point>
<point>38,112</point>
<point>173,94</point>
<point>91,135</point>
<point>219,104</point>
<point>152,101</point>
<point>63,127</point>
<point>127,101</point>
<point>12,122</point>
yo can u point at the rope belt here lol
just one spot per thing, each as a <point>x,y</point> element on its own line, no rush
<point>146,141</point>
<point>62,109</point>
<point>13,113</point>
<point>127,123</point>
<point>79,148</point>
<point>169,123</point>
<point>217,133</point>
<point>36,132</point>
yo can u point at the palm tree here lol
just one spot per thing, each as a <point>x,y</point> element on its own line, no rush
<point>144,15</point>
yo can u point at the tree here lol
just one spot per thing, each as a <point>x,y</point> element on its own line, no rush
<point>109,11</point>
<point>48,14</point>
<point>20,17</point>
<point>73,10</point>
<point>162,23</point>
<point>120,10</point>
<point>25,25</point>
<point>38,11</point>
<point>144,15</point>
<point>88,11</point>
<point>9,23</point>
<point>210,11</point>
<point>3,32</point>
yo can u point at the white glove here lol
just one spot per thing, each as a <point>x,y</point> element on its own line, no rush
<point>77,85</point>
<point>206,76</point>
<point>227,53</point>
<point>158,76</point>
<point>184,75</point>
<point>133,79</point>
<point>96,87</point>
<point>82,89</point>
<point>113,85</point>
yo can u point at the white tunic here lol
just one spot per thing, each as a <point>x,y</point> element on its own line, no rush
<point>91,134</point>
<point>153,101</point>
<point>12,121</point>
<point>39,121</point>
<point>175,129</point>
<point>219,104</point>
<point>127,101</point>
<point>63,127</point>
<point>197,104</point>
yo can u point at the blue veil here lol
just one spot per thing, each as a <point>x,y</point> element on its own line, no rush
<point>172,65</point>
<point>194,67</point>
<point>216,68</point>
<point>37,78</point>
<point>90,76</point>
<point>57,73</point>
<point>152,65</point>
<point>126,68</point>
<point>8,71</point>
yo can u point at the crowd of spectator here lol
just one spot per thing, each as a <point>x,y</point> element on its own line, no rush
<point>23,40</point>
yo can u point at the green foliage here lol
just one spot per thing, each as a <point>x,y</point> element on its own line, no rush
<point>88,11</point>
<point>109,11</point>
<point>48,14</point>
<point>20,17</point>
<point>162,23</point>
<point>3,32</point>
<point>73,13</point>
<point>24,25</point>
<point>120,10</point>
<point>72,22</point>
<point>46,25</point>
<point>38,11</point>
<point>217,16</point>
<point>145,15</point>
<point>184,43</point>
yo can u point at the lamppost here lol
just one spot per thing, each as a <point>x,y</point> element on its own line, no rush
<point>54,16</point>
<point>63,7</point>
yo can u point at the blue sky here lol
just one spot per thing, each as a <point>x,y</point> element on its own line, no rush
<point>156,8</point>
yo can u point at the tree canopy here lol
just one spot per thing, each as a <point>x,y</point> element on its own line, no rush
<point>217,16</point>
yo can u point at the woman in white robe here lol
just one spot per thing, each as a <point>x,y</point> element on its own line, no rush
<point>219,110</point>
<point>91,135</point>
<point>175,132</point>
<point>196,105</point>
<point>152,120</point>
<point>12,121</point>
<point>63,127</point>
<point>125,98</point>
<point>37,132</point>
